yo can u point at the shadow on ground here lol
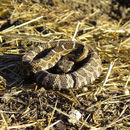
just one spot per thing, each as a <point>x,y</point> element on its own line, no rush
<point>12,71</point>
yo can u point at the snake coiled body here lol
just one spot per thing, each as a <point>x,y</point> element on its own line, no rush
<point>64,64</point>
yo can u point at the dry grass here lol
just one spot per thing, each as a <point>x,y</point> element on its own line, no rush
<point>103,24</point>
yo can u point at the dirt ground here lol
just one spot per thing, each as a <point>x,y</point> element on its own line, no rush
<point>103,24</point>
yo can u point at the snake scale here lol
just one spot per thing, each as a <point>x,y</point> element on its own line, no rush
<point>64,64</point>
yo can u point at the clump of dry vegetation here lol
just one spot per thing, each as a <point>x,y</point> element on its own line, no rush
<point>104,24</point>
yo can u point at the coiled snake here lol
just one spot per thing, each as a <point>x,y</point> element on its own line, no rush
<point>64,64</point>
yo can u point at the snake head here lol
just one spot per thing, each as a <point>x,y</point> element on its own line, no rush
<point>65,65</point>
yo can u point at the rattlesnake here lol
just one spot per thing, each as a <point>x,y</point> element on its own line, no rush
<point>64,64</point>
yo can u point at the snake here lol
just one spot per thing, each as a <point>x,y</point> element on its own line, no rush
<point>63,64</point>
